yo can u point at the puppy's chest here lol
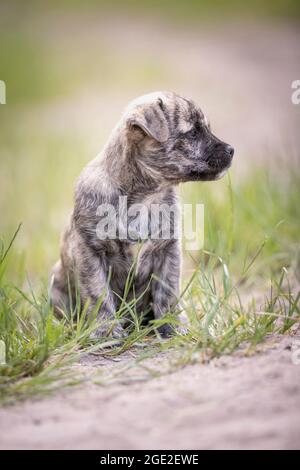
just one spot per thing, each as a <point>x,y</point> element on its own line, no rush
<point>126,252</point>
<point>135,249</point>
<point>154,223</point>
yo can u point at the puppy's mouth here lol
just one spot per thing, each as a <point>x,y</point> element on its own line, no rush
<point>215,174</point>
<point>209,174</point>
<point>199,169</point>
<point>218,165</point>
<point>210,168</point>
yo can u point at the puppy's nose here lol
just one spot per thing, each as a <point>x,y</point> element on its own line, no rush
<point>229,150</point>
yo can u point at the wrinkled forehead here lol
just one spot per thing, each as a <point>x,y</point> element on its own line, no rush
<point>180,112</point>
<point>184,114</point>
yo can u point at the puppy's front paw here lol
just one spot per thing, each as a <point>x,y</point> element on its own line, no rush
<point>118,332</point>
<point>165,330</point>
<point>113,331</point>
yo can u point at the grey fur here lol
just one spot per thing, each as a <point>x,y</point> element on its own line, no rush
<point>161,140</point>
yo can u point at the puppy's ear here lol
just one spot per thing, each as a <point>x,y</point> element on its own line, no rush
<point>151,120</point>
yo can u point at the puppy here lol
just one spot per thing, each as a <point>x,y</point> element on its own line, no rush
<point>161,140</point>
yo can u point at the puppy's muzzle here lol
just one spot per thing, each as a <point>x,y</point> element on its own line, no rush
<point>229,151</point>
<point>220,157</point>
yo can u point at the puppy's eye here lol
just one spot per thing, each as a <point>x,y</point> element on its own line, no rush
<point>180,145</point>
<point>193,130</point>
<point>137,128</point>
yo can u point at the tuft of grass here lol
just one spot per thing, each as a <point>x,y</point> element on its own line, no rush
<point>257,213</point>
<point>222,321</point>
<point>37,349</point>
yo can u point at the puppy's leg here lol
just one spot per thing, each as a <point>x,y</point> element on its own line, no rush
<point>58,290</point>
<point>165,288</point>
<point>92,276</point>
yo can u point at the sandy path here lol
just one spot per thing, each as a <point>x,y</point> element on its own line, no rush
<point>233,402</point>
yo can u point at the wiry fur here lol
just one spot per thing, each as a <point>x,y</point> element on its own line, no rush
<point>161,140</point>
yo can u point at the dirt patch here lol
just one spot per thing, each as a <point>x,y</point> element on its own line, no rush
<point>234,402</point>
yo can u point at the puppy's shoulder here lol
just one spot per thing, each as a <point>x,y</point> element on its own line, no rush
<point>92,178</point>
<point>93,186</point>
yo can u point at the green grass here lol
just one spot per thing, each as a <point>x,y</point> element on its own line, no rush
<point>251,251</point>
<point>262,208</point>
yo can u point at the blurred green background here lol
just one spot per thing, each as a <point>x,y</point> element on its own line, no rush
<point>70,68</point>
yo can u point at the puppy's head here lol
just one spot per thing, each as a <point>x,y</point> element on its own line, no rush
<point>173,139</point>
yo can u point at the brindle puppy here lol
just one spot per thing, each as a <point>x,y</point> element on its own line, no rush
<point>161,140</point>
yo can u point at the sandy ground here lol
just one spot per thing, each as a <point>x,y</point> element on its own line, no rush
<point>234,402</point>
